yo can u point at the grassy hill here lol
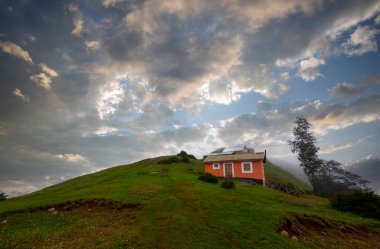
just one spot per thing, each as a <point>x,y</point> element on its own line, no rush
<point>279,175</point>
<point>151,205</point>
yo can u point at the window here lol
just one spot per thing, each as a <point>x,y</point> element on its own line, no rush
<point>215,166</point>
<point>246,167</point>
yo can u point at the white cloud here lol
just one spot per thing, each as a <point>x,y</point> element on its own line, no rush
<point>92,45</point>
<point>44,79</point>
<point>111,95</point>
<point>78,21</point>
<point>51,72</point>
<point>72,158</point>
<point>17,92</point>
<point>308,69</point>
<point>361,41</point>
<point>110,3</point>
<point>13,49</point>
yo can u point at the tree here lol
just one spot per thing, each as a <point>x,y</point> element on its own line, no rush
<point>3,196</point>
<point>304,145</point>
<point>326,177</point>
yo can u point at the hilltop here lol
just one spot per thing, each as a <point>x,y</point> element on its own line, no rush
<point>151,205</point>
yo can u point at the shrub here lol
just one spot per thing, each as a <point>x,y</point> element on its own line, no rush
<point>362,202</point>
<point>3,196</point>
<point>228,184</point>
<point>208,178</point>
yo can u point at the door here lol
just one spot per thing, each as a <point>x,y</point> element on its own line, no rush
<point>228,170</point>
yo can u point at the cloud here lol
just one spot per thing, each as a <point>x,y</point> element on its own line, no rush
<point>17,92</point>
<point>110,3</point>
<point>44,79</point>
<point>361,41</point>
<point>367,167</point>
<point>13,49</point>
<point>49,71</point>
<point>308,70</point>
<point>377,19</point>
<point>111,95</point>
<point>92,45</point>
<point>72,158</point>
<point>339,116</point>
<point>345,89</point>
<point>3,131</point>
<point>78,21</point>
<point>333,148</point>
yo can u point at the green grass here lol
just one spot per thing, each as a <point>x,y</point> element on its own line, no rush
<point>279,175</point>
<point>177,211</point>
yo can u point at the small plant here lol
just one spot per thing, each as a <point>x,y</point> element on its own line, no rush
<point>228,184</point>
<point>208,178</point>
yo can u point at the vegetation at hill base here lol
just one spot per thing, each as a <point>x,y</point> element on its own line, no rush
<point>349,192</point>
<point>141,206</point>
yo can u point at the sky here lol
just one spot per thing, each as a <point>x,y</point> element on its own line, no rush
<point>87,85</point>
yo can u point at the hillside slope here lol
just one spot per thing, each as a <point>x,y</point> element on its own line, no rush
<point>150,205</point>
<point>276,174</point>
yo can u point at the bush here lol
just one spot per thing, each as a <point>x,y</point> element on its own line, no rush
<point>362,202</point>
<point>228,184</point>
<point>3,196</point>
<point>208,178</point>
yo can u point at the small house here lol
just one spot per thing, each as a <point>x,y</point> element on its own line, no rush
<point>238,162</point>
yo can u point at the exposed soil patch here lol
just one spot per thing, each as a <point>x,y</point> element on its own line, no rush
<point>86,203</point>
<point>328,233</point>
<point>84,223</point>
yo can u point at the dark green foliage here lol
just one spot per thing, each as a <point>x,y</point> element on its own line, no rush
<point>3,196</point>
<point>183,155</point>
<point>362,202</point>
<point>228,184</point>
<point>326,177</point>
<point>180,157</point>
<point>207,177</point>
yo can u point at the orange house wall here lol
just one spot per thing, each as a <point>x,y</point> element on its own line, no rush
<point>257,172</point>
<point>215,172</point>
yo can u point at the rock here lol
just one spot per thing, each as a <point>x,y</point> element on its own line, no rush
<point>51,210</point>
<point>55,212</point>
<point>284,233</point>
<point>294,238</point>
<point>4,222</point>
<point>89,209</point>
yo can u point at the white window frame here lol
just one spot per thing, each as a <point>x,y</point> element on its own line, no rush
<point>215,167</point>
<point>246,171</point>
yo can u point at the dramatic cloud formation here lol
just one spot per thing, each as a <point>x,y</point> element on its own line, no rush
<point>361,41</point>
<point>86,85</point>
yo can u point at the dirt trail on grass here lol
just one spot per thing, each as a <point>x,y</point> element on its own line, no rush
<point>328,233</point>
